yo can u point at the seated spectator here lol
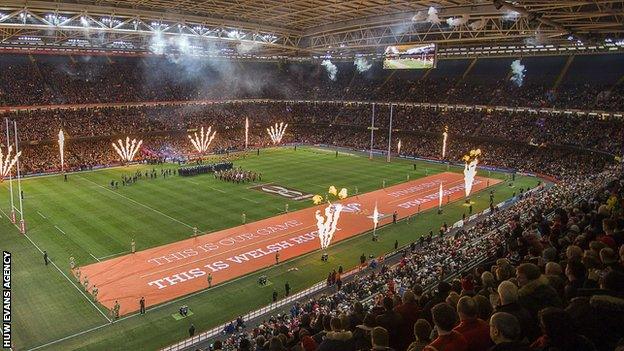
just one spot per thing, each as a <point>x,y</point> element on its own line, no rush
<point>362,333</point>
<point>276,344</point>
<point>555,277</point>
<point>506,333</point>
<point>475,330</point>
<point>409,312</point>
<point>337,338</point>
<point>559,332</point>
<point>535,293</point>
<point>600,316</point>
<point>380,339</point>
<point>445,319</point>
<point>306,341</point>
<point>391,322</point>
<point>508,303</point>
<point>577,275</point>
<point>422,335</point>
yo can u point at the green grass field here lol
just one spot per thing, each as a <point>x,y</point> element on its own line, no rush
<point>83,218</point>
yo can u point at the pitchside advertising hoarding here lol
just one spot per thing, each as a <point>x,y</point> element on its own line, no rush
<point>6,300</point>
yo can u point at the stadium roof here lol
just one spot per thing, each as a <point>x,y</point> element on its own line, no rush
<point>301,28</point>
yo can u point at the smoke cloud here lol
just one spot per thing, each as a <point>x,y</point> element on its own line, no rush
<point>332,70</point>
<point>457,21</point>
<point>362,64</point>
<point>479,24</point>
<point>419,17</point>
<point>432,16</point>
<point>517,70</point>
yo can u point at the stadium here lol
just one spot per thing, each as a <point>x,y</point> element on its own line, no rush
<point>312,175</point>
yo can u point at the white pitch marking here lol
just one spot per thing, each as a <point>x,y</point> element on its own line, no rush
<point>42,216</point>
<point>255,202</point>
<point>138,203</point>
<point>113,255</point>
<point>97,259</point>
<point>60,230</point>
<point>216,189</point>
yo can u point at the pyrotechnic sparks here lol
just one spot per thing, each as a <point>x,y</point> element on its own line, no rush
<point>328,224</point>
<point>444,138</point>
<point>128,151</point>
<point>246,132</point>
<point>277,132</point>
<point>7,162</point>
<point>470,169</point>
<point>440,195</point>
<point>399,147</point>
<point>61,142</point>
<point>375,217</point>
<point>202,142</point>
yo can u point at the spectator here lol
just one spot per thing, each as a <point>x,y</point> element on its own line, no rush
<point>535,293</point>
<point>337,338</point>
<point>475,330</point>
<point>600,315</point>
<point>391,321</point>
<point>422,335</point>
<point>379,339</point>
<point>506,333</point>
<point>409,312</point>
<point>445,319</point>
<point>508,299</point>
<point>559,332</point>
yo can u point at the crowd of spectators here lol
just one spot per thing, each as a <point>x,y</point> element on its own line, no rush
<point>45,79</point>
<point>522,141</point>
<point>550,267</point>
<point>553,280</point>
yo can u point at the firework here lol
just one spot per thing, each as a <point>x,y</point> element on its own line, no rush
<point>7,162</point>
<point>128,150</point>
<point>246,132</point>
<point>202,142</point>
<point>440,195</point>
<point>328,224</point>
<point>470,169</point>
<point>375,217</point>
<point>277,132</point>
<point>399,147</point>
<point>444,138</point>
<point>61,142</point>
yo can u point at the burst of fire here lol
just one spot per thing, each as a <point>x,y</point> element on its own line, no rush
<point>7,162</point>
<point>328,224</point>
<point>128,150</point>
<point>375,217</point>
<point>61,143</point>
<point>277,132</point>
<point>444,138</point>
<point>202,142</point>
<point>440,195</point>
<point>470,169</point>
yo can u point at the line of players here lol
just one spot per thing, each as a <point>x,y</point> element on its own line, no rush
<point>238,176</point>
<point>138,175</point>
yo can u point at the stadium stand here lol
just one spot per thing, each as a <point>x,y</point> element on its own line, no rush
<point>546,273</point>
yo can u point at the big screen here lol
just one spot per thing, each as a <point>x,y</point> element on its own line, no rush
<point>410,57</point>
